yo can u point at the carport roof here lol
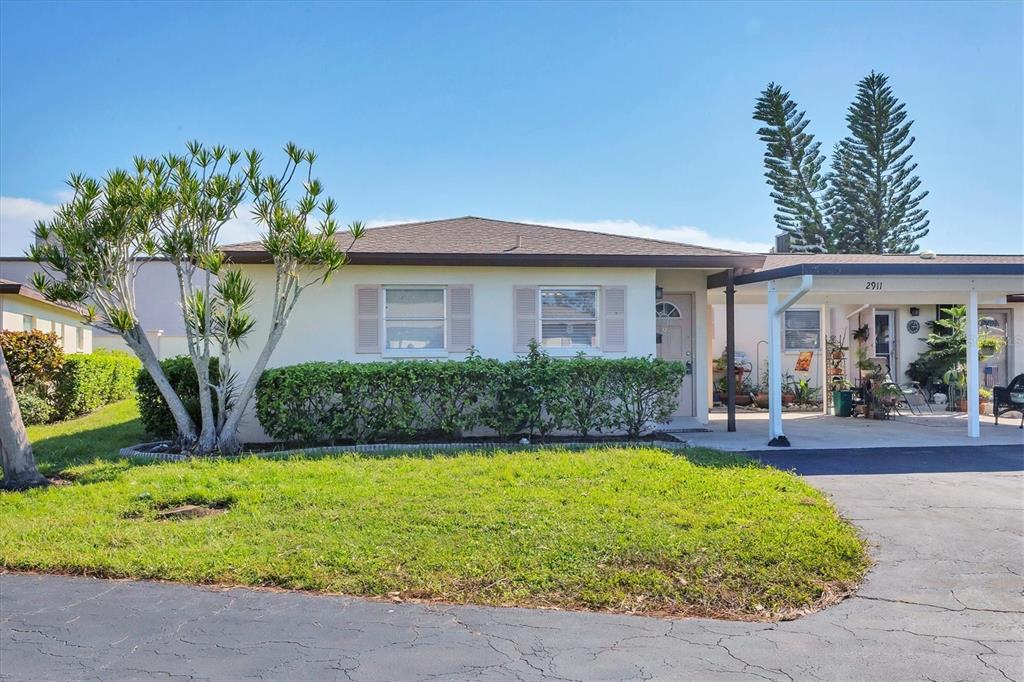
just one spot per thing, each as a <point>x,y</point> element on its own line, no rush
<point>779,266</point>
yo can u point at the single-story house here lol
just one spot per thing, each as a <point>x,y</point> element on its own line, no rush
<point>22,308</point>
<point>435,289</point>
<point>156,293</point>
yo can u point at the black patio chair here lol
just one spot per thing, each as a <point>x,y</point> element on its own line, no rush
<point>1009,399</point>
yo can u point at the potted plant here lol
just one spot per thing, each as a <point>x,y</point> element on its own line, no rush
<point>836,346</point>
<point>956,379</point>
<point>743,391</point>
<point>803,392</point>
<point>985,397</point>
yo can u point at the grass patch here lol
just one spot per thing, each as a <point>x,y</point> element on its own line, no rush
<point>630,530</point>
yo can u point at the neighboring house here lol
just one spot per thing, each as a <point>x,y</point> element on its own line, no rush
<point>156,293</point>
<point>896,320</point>
<point>22,308</point>
<point>433,290</point>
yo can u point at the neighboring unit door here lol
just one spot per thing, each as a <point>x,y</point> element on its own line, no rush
<point>885,340</point>
<point>674,315</point>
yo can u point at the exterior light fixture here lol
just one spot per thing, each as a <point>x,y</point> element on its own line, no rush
<point>914,312</point>
<point>658,293</point>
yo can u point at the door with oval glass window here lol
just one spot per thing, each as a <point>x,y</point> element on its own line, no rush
<point>674,323</point>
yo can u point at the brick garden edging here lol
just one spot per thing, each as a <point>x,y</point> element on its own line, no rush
<point>134,451</point>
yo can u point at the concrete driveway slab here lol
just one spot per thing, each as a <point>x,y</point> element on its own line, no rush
<point>945,601</point>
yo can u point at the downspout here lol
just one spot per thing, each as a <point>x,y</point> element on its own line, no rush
<point>775,311</point>
<point>730,349</point>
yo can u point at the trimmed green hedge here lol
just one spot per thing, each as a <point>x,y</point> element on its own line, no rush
<point>156,417</point>
<point>87,382</point>
<point>325,402</point>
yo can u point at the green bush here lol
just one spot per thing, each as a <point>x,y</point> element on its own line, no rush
<point>325,402</point>
<point>35,407</point>
<point>643,391</point>
<point>155,416</point>
<point>87,382</point>
<point>33,357</point>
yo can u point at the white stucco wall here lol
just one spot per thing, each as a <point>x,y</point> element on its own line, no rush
<point>48,318</point>
<point>322,325</point>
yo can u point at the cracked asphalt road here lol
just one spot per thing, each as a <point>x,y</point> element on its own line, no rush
<point>944,602</point>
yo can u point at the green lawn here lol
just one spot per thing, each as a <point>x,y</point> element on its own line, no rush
<point>635,530</point>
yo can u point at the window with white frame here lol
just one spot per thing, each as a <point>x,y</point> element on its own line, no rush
<point>28,322</point>
<point>80,339</point>
<point>802,329</point>
<point>569,317</point>
<point>414,319</point>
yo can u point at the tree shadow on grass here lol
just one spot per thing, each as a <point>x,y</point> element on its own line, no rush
<point>89,455</point>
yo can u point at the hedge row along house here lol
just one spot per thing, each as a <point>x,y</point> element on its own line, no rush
<point>434,290</point>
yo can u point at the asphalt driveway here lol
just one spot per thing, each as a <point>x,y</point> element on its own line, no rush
<point>944,602</point>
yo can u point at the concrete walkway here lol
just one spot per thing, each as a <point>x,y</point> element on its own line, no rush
<point>815,431</point>
<point>944,602</point>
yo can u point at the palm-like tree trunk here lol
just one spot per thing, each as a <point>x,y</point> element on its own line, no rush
<point>19,465</point>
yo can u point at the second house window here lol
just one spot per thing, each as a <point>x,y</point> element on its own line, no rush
<point>568,317</point>
<point>414,318</point>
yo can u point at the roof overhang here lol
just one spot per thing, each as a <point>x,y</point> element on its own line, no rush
<point>743,261</point>
<point>881,283</point>
<point>17,289</point>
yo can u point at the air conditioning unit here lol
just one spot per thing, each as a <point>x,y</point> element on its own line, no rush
<point>782,243</point>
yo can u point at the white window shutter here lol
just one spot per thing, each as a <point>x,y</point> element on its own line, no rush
<point>460,318</point>
<point>367,318</point>
<point>525,304</point>
<point>613,319</point>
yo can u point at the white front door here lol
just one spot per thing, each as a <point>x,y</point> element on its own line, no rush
<point>885,340</point>
<point>674,315</point>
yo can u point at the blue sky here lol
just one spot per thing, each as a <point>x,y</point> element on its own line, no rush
<point>633,118</point>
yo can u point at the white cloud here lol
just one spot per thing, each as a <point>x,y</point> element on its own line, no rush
<point>673,233</point>
<point>241,228</point>
<point>18,218</point>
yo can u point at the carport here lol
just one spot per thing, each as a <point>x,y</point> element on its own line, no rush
<point>863,282</point>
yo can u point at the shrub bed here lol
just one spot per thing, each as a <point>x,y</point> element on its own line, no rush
<point>153,411</point>
<point>332,402</point>
<point>86,382</point>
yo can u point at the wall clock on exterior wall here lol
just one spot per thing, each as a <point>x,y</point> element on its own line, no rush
<point>913,326</point>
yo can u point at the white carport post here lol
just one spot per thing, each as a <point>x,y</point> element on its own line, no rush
<point>973,407</point>
<point>775,311</point>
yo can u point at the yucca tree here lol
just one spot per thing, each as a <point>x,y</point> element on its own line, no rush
<point>175,207</point>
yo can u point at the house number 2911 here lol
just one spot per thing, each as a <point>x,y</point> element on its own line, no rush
<point>872,285</point>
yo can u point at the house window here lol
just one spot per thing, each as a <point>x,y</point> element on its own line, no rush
<point>80,339</point>
<point>802,330</point>
<point>568,318</point>
<point>414,318</point>
<point>28,322</point>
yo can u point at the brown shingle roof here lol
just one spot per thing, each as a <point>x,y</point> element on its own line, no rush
<point>12,288</point>
<point>481,241</point>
